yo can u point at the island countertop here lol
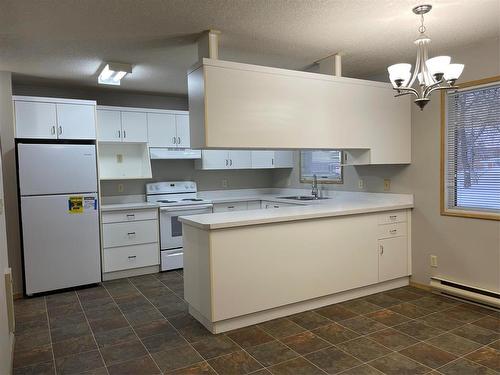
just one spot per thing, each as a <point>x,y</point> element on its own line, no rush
<point>339,203</point>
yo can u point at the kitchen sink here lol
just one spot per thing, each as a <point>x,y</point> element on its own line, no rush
<point>304,197</point>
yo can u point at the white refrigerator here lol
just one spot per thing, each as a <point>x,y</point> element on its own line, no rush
<point>59,215</point>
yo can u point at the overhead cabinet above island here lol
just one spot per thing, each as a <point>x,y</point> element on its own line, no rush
<point>244,106</point>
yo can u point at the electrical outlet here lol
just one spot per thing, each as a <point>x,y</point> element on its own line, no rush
<point>224,182</point>
<point>361,184</point>
<point>387,184</point>
<point>119,158</point>
<point>120,188</point>
<point>434,261</point>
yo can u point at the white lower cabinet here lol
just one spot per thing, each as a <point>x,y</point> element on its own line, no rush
<point>130,239</point>
<point>269,204</point>
<point>228,207</point>
<point>393,259</point>
<point>254,205</point>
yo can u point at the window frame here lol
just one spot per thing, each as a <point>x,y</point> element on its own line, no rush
<point>340,181</point>
<point>445,211</point>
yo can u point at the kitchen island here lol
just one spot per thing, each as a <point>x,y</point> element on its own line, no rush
<point>246,267</point>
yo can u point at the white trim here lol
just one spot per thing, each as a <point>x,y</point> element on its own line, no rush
<point>52,100</point>
<point>130,273</point>
<point>143,110</point>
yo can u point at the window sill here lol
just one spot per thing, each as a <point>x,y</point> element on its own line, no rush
<point>485,215</point>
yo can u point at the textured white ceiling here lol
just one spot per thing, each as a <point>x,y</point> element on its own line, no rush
<point>68,40</point>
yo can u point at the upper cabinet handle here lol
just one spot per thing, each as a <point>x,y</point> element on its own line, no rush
<point>173,140</point>
<point>230,162</point>
<point>178,140</point>
<point>381,249</point>
<point>60,130</point>
<point>52,130</point>
<point>119,133</point>
<point>227,162</point>
<point>124,134</point>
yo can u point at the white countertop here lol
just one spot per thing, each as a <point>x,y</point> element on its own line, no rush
<point>340,203</point>
<point>128,206</point>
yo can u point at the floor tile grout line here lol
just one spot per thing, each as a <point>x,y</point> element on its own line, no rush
<point>92,331</point>
<point>50,334</point>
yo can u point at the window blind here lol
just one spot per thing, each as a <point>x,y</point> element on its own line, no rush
<point>326,165</point>
<point>472,177</point>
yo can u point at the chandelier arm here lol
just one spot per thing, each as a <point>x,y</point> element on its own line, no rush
<point>415,72</point>
<point>432,88</point>
<point>406,91</point>
<point>442,88</point>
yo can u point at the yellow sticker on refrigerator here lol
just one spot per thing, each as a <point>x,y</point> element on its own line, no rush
<point>75,205</point>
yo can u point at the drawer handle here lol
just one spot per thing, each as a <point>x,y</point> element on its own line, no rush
<point>392,231</point>
<point>130,215</point>
<point>132,257</point>
<point>131,233</point>
<point>393,217</point>
<point>230,206</point>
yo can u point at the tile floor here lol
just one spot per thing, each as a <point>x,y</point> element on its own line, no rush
<point>140,326</point>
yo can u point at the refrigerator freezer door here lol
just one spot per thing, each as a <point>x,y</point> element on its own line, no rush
<point>56,168</point>
<point>61,249</point>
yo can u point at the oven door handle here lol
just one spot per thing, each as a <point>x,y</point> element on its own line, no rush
<point>187,208</point>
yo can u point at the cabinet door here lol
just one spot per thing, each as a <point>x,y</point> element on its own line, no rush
<point>262,159</point>
<point>253,205</point>
<point>239,159</point>
<point>35,120</point>
<point>393,258</point>
<point>283,159</point>
<point>228,207</point>
<point>182,127</point>
<point>214,159</point>
<point>75,121</point>
<point>134,127</point>
<point>161,130</point>
<point>109,128</point>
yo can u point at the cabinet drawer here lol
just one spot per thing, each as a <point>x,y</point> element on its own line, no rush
<point>392,217</point>
<point>253,205</point>
<point>125,234</point>
<point>391,230</point>
<point>227,207</point>
<point>130,215</point>
<point>122,258</point>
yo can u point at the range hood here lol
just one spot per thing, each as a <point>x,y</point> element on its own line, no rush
<point>173,153</point>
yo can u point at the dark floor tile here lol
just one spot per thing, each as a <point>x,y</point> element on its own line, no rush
<point>113,337</point>
<point>477,334</point>
<point>215,346</point>
<point>271,353</point>
<point>143,366</point>
<point>309,320</point>
<point>362,370</point>
<point>30,315</point>
<point>132,302</point>
<point>442,321</point>
<point>464,315</point>
<point>397,364</point>
<point>70,309</point>
<point>463,366</point>
<point>410,310</point>
<point>360,306</point>
<point>142,315</point>
<point>392,339</point>
<point>363,325</point>
<point>156,327</point>
<point>305,342</point>
<point>32,356</point>
<point>77,363</point>
<point>495,345</point>
<point>281,327</point>
<point>480,309</point>
<point>108,324</point>
<point>105,312</point>
<point>403,294</point>
<point>70,331</point>
<point>92,293</point>
<point>416,290</point>
<point>74,346</point>
<point>335,333</point>
<point>333,360</point>
<point>434,303</point>
<point>486,356</point>
<point>382,300</point>
<point>454,344</point>
<point>169,305</point>
<point>95,371</point>
<point>249,336</point>
<point>336,313</point>
<point>235,363</point>
<point>29,340</point>
<point>144,281</point>
<point>387,317</point>
<point>176,358</point>
<point>46,368</point>
<point>489,322</point>
<point>363,349</point>
<point>418,330</point>
<point>123,352</point>
<point>428,355</point>
<point>24,305</point>
<point>61,299</point>
<point>65,320</point>
<point>164,341</point>
<point>32,326</point>
<point>297,366</point>
<point>97,303</point>
<point>262,371</point>
<point>169,276</point>
<point>121,290</point>
<point>202,368</point>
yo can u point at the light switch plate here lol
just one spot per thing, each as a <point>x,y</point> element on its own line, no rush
<point>434,261</point>
<point>387,184</point>
<point>361,184</point>
<point>224,182</point>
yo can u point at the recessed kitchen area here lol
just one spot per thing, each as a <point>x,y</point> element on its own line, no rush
<point>265,187</point>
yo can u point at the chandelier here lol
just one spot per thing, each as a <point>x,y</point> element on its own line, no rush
<point>432,74</point>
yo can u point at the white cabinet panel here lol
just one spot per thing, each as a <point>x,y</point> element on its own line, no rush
<point>213,159</point>
<point>130,233</point>
<point>392,217</point>
<point>254,205</point>
<point>109,126</point>
<point>239,159</point>
<point>127,257</point>
<point>283,159</point>
<point>182,128</point>
<point>262,159</point>
<point>393,258</point>
<point>392,230</point>
<point>124,161</point>
<point>228,207</point>
<point>134,127</point>
<point>35,120</point>
<point>161,130</point>
<point>132,215</point>
<point>76,121</point>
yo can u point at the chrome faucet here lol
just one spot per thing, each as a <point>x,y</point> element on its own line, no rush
<point>314,191</point>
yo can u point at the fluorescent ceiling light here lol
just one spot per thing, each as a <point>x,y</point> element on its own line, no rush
<point>112,73</point>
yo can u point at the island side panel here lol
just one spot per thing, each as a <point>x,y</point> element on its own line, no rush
<point>197,270</point>
<point>255,268</point>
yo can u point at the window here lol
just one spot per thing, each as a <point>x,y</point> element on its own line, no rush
<point>471,150</point>
<point>324,164</point>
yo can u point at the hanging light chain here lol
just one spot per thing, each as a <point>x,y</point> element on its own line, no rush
<point>422,28</point>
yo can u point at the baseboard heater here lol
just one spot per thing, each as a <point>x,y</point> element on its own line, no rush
<point>466,292</point>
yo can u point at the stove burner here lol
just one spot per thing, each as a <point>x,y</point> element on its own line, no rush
<point>193,199</point>
<point>165,201</point>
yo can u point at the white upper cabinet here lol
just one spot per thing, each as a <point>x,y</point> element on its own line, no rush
<point>283,159</point>
<point>161,130</point>
<point>244,159</point>
<point>134,127</point>
<point>240,159</point>
<point>109,126</point>
<point>262,159</point>
<point>182,128</point>
<point>51,118</point>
